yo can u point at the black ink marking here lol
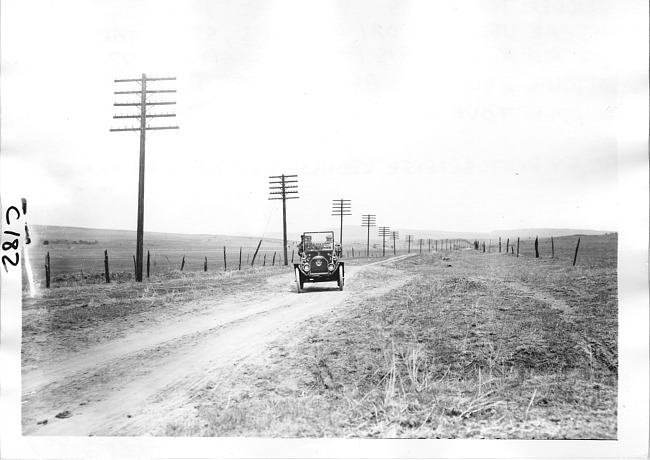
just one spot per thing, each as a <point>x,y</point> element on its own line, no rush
<point>6,259</point>
<point>7,214</point>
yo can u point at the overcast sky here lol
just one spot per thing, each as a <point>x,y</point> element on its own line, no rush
<point>447,115</point>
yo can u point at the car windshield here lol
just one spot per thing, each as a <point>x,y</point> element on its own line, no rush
<point>319,241</point>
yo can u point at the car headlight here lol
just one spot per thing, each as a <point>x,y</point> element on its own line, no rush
<point>330,267</point>
<point>306,267</point>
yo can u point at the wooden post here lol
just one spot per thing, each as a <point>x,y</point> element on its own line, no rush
<point>499,244</point>
<point>273,263</point>
<point>135,265</point>
<point>517,246</point>
<point>240,257</point>
<point>183,263</point>
<point>507,245</point>
<point>552,248</point>
<point>108,276</point>
<point>47,270</point>
<point>148,263</point>
<point>292,253</point>
<point>205,265</point>
<point>224,259</point>
<point>536,248</point>
<point>255,255</point>
<point>575,257</point>
<point>264,264</point>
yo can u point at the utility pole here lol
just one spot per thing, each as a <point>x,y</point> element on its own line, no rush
<point>368,220</point>
<point>341,208</point>
<point>283,186</point>
<point>395,237</point>
<point>384,232</point>
<point>143,105</point>
<point>409,238</point>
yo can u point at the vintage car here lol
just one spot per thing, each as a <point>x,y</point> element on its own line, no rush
<point>319,260</point>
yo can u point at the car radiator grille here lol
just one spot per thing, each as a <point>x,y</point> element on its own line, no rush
<point>316,268</point>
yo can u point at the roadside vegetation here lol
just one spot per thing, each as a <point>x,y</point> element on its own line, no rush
<point>475,346</point>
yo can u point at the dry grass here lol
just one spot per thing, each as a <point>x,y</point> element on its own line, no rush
<point>477,346</point>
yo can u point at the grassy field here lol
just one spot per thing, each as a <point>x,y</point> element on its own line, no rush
<point>479,345</point>
<point>77,254</point>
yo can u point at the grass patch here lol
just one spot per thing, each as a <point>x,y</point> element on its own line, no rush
<point>476,346</point>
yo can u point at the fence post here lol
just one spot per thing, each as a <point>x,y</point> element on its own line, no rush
<point>205,265</point>
<point>552,249</point>
<point>240,257</point>
<point>135,266</point>
<point>224,259</point>
<point>292,252</point>
<point>183,263</point>
<point>575,257</point>
<point>273,263</point>
<point>255,255</point>
<point>47,270</point>
<point>507,245</point>
<point>148,263</point>
<point>264,264</point>
<point>108,277</point>
<point>499,244</point>
<point>517,246</point>
<point>536,248</point>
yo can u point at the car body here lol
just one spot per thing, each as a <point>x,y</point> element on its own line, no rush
<point>320,260</point>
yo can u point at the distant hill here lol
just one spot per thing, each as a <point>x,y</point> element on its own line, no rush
<point>73,235</point>
<point>351,234</point>
<point>358,234</point>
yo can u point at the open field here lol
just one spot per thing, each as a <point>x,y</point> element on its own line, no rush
<point>77,254</point>
<point>459,344</point>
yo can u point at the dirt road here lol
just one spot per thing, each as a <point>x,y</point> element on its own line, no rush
<point>132,385</point>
